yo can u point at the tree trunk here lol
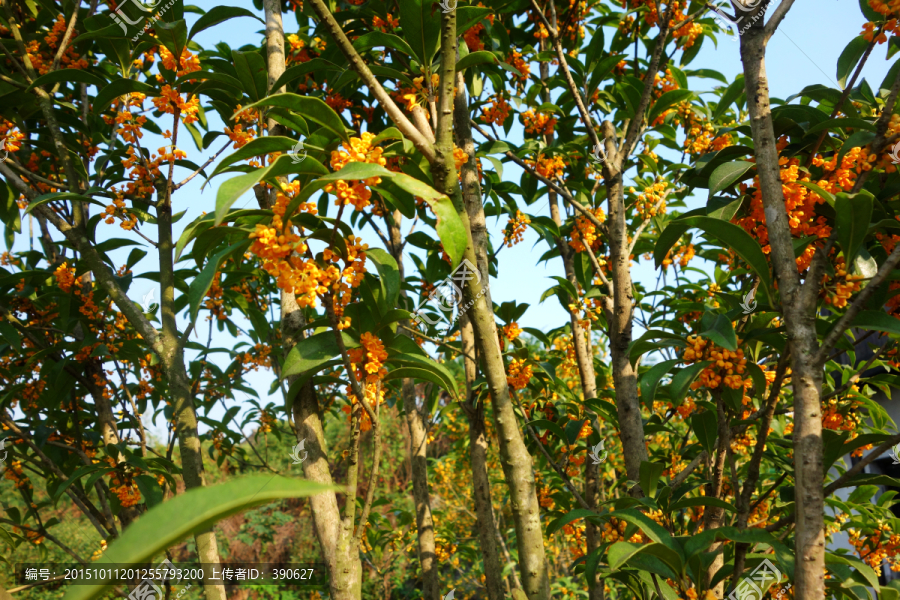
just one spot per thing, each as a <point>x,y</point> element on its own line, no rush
<point>335,535</point>
<point>418,448</point>
<point>619,317</point>
<point>481,484</point>
<point>514,456</point>
<point>800,325</point>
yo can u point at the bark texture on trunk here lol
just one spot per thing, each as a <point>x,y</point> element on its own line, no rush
<point>800,325</point>
<point>481,484</point>
<point>418,447</point>
<point>514,456</point>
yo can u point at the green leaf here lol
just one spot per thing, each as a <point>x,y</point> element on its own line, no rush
<point>650,380</point>
<point>724,176</point>
<point>666,101</point>
<point>469,16</point>
<point>118,88</point>
<point>378,39</point>
<point>701,501</point>
<point>734,237</point>
<point>68,75</point>
<point>875,320</point>
<point>421,28</point>
<point>311,354</point>
<point>251,70</point>
<point>853,214</point>
<point>257,147</point>
<point>168,523</point>
<point>547,424</point>
<point>297,71</point>
<point>650,474</point>
<point>849,58</point>
<point>569,517</point>
<point>201,283</point>
<point>449,226</point>
<point>310,108</point>
<point>236,187</point>
<point>45,198</point>
<point>705,427</point>
<point>476,58</point>
<point>722,333</point>
<point>841,123</point>
<point>218,14</point>
<point>732,93</point>
<point>445,377</point>
<point>829,198</point>
<point>388,271</point>
<point>172,35</point>
<point>619,553</point>
<point>683,380</point>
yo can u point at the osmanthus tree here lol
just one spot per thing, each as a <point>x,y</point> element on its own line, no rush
<point>401,107</point>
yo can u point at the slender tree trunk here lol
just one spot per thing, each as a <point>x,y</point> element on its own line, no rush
<point>713,515</point>
<point>800,323</point>
<point>514,457</point>
<point>619,313</point>
<point>481,484</point>
<point>180,389</point>
<point>418,448</point>
<point>335,535</point>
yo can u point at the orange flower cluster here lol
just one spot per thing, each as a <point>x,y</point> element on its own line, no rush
<point>800,203</point>
<point>10,137</point>
<point>538,124</point>
<point>727,368</point>
<point>368,359</point>
<point>890,10</point>
<point>42,58</point>
<point>362,150</point>
<point>840,414</point>
<point>260,357</point>
<point>518,374</point>
<point>374,396</point>
<point>214,300</point>
<point>65,277</point>
<point>649,197</point>
<point>300,52</point>
<point>117,208</point>
<point>512,331</point>
<point>837,290</point>
<point>472,35</point>
<point>515,229</point>
<point>683,253</point>
<point>497,112</point>
<point>880,545</point>
<point>337,102</point>
<point>188,62</point>
<point>123,486</point>
<point>237,134</point>
<point>516,60</point>
<point>386,24</point>
<point>549,168</point>
<point>15,474</point>
<point>585,231</point>
<point>129,124</point>
<point>170,99</point>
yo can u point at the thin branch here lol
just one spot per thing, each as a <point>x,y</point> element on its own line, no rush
<point>203,166</point>
<point>776,18</point>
